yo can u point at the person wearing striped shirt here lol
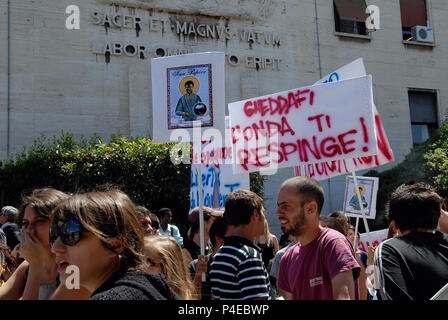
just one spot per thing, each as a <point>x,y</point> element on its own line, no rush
<point>237,271</point>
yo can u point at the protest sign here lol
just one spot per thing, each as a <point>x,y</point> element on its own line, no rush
<point>187,88</point>
<point>218,179</point>
<point>218,182</point>
<point>325,122</point>
<point>368,188</point>
<point>376,237</point>
<point>325,170</point>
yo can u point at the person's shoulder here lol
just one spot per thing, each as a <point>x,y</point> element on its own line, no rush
<point>330,239</point>
<point>238,247</point>
<point>135,285</point>
<point>328,235</point>
<point>443,236</point>
<point>11,227</point>
<point>289,251</point>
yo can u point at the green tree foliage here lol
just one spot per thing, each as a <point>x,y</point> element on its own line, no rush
<point>427,162</point>
<point>436,165</point>
<point>138,167</point>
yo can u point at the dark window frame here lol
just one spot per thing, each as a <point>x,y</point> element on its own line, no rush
<point>349,26</point>
<point>406,29</point>
<point>431,125</point>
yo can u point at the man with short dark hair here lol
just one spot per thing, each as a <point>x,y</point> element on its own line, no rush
<point>237,271</point>
<point>414,265</point>
<point>149,221</point>
<point>8,216</point>
<point>322,265</point>
<point>167,229</point>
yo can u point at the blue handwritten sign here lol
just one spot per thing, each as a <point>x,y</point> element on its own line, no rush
<point>217,183</point>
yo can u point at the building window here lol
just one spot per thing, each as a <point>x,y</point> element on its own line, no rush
<point>423,108</point>
<point>413,13</point>
<point>350,16</point>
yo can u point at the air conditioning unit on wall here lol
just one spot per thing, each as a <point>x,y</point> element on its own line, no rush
<point>423,34</point>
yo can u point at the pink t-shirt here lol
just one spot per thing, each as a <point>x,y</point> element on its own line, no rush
<point>306,271</point>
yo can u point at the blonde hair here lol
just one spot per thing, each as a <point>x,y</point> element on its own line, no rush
<point>168,253</point>
<point>267,234</point>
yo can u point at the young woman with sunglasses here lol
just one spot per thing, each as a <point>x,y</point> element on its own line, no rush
<point>36,277</point>
<point>164,255</point>
<point>100,234</point>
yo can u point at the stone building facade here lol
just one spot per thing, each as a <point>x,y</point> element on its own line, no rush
<point>96,79</point>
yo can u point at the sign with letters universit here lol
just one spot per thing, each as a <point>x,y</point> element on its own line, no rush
<point>319,123</point>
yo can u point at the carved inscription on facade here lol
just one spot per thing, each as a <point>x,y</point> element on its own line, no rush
<point>211,31</point>
<point>188,29</point>
<point>247,9</point>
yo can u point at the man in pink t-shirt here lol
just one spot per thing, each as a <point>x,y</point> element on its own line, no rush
<point>322,265</point>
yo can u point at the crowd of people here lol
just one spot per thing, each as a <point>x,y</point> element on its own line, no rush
<point>99,245</point>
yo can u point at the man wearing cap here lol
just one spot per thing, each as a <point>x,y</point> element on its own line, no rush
<point>192,244</point>
<point>237,271</point>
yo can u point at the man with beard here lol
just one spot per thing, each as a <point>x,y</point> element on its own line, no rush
<point>322,265</point>
<point>186,103</point>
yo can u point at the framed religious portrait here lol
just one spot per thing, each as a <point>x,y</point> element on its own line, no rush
<point>187,91</point>
<point>189,96</point>
<point>368,189</point>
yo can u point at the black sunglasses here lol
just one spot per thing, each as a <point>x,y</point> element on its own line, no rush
<point>70,233</point>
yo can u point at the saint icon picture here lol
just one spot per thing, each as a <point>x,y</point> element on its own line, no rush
<point>189,96</point>
<point>354,202</point>
<point>190,105</point>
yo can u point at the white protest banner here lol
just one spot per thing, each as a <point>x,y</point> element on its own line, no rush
<point>368,188</point>
<point>218,179</point>
<point>325,122</point>
<point>325,170</point>
<point>375,236</point>
<point>354,69</point>
<point>187,88</point>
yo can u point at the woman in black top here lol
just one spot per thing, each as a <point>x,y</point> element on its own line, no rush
<point>98,236</point>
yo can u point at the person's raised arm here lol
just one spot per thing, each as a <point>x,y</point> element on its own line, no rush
<point>201,268</point>
<point>33,252</point>
<point>343,286</point>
